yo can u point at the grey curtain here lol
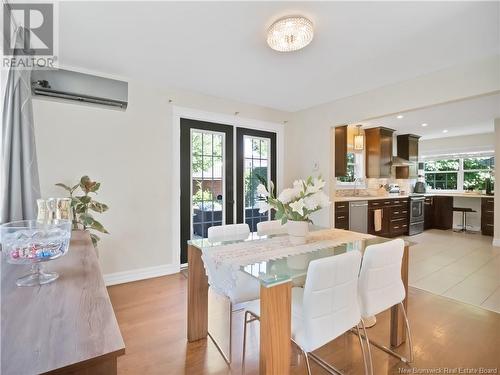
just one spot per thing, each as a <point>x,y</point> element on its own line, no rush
<point>20,186</point>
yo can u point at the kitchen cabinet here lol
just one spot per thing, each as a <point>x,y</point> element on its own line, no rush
<point>487,213</point>
<point>442,212</point>
<point>407,148</point>
<point>378,152</point>
<point>395,217</point>
<point>340,151</point>
<point>428,212</point>
<point>342,215</point>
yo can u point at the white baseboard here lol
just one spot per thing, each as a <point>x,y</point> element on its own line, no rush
<point>140,274</point>
<point>496,242</point>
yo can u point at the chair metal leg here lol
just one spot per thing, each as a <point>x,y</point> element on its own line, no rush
<point>254,317</point>
<point>307,362</point>
<point>306,356</point>
<point>408,330</point>
<point>368,345</point>
<point>362,350</point>
<point>389,350</point>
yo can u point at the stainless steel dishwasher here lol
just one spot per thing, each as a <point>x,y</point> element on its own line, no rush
<point>358,216</point>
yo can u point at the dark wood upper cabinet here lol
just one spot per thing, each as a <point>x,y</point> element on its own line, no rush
<point>340,151</point>
<point>378,152</point>
<point>408,149</point>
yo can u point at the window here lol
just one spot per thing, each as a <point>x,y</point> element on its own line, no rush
<point>442,174</point>
<point>459,174</point>
<point>351,167</point>
<point>476,171</point>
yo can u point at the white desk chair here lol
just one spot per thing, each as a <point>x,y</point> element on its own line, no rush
<point>268,228</point>
<point>324,309</point>
<point>247,289</point>
<point>381,286</point>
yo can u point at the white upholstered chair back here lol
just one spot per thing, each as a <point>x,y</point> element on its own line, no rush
<point>330,302</point>
<point>272,227</point>
<point>380,283</point>
<point>230,232</point>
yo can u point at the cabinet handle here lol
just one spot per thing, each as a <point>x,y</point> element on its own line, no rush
<point>340,206</point>
<point>490,211</point>
<point>396,212</point>
<point>387,202</point>
<point>340,217</point>
<point>396,227</point>
<point>404,212</point>
<point>375,204</point>
<point>404,225</point>
<point>490,225</point>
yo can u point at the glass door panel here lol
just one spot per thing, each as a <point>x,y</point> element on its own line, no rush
<point>206,179</point>
<point>256,153</point>
<point>207,183</point>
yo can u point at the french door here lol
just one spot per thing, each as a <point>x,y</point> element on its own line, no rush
<point>256,161</point>
<point>207,185</point>
<point>206,165</point>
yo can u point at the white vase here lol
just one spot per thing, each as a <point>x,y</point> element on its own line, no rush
<point>297,228</point>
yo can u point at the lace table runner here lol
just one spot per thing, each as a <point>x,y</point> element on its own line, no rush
<point>222,262</point>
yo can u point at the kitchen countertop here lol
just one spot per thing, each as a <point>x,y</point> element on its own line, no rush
<point>395,196</point>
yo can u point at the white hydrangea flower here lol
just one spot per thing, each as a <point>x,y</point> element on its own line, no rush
<point>322,199</point>
<point>262,191</point>
<point>287,195</point>
<point>263,206</point>
<point>311,202</point>
<point>316,186</point>
<point>298,206</point>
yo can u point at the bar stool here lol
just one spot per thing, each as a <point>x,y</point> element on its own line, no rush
<point>464,211</point>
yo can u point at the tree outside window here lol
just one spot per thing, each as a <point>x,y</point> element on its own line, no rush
<point>459,174</point>
<point>351,167</point>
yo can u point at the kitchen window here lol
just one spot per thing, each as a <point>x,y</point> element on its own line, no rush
<point>355,171</point>
<point>459,174</point>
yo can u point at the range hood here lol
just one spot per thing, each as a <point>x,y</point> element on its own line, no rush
<point>397,161</point>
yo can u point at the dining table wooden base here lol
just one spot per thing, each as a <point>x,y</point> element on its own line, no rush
<point>275,329</point>
<point>275,320</point>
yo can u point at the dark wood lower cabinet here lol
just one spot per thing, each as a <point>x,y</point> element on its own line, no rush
<point>395,217</point>
<point>442,208</point>
<point>487,214</point>
<point>428,213</point>
<point>342,215</point>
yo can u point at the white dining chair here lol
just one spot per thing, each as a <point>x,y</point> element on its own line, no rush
<point>324,309</point>
<point>269,228</point>
<point>247,288</point>
<point>381,287</point>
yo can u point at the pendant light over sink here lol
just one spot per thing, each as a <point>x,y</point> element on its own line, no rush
<point>290,33</point>
<point>359,140</point>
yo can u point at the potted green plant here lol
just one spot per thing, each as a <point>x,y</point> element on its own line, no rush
<point>83,204</point>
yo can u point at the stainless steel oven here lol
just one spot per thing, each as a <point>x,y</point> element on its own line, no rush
<point>416,214</point>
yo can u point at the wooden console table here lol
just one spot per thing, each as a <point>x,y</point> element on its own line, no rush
<point>66,327</point>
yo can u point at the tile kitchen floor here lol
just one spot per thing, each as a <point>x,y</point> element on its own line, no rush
<point>461,266</point>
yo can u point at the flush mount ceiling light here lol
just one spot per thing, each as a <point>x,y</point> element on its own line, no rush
<point>424,124</point>
<point>399,116</point>
<point>290,34</point>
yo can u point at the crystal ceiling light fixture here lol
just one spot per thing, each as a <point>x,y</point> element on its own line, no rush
<point>290,33</point>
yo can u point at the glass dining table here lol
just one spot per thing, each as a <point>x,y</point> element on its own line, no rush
<point>276,277</point>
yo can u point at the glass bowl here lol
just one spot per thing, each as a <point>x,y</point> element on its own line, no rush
<point>33,242</point>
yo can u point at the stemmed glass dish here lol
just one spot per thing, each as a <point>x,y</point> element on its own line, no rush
<point>33,242</point>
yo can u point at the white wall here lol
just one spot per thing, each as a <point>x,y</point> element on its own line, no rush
<point>130,152</point>
<point>460,144</point>
<point>309,140</point>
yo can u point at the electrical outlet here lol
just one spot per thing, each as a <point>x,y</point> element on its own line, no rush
<point>315,166</point>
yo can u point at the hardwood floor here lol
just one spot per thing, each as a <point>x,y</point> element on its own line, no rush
<point>152,318</point>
